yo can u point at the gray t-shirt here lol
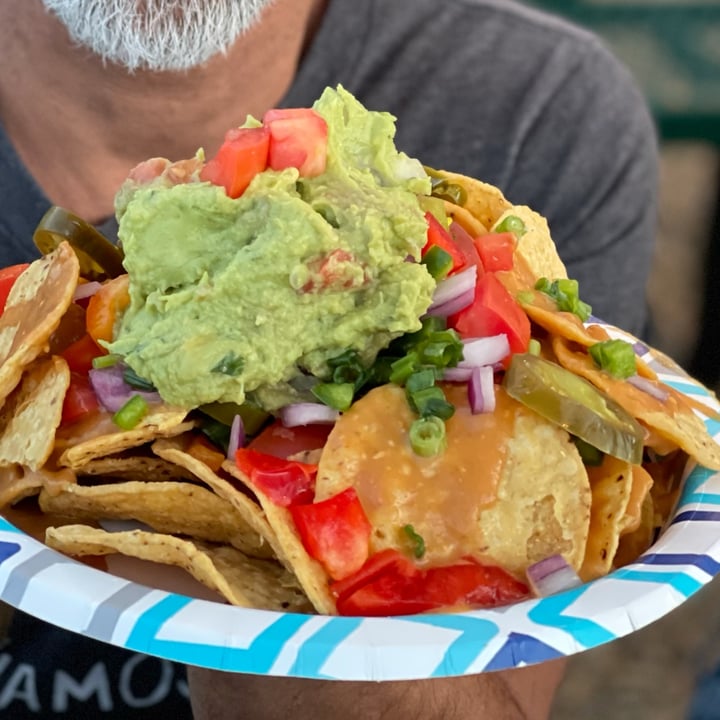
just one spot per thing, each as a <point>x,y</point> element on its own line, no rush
<point>488,88</point>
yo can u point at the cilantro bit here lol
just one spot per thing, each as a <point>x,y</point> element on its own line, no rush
<point>231,364</point>
<point>418,543</point>
<point>137,382</point>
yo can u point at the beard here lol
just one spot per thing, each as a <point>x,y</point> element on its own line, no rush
<point>159,35</point>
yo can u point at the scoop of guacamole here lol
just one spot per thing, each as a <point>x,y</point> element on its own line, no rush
<point>247,298</point>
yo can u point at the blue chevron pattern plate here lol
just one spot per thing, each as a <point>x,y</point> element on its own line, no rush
<point>80,598</point>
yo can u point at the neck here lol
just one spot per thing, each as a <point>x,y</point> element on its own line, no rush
<point>79,124</point>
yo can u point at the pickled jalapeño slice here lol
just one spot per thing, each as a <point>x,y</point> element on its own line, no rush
<point>99,258</point>
<point>576,405</point>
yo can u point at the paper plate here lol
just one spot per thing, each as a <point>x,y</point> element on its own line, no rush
<point>201,632</point>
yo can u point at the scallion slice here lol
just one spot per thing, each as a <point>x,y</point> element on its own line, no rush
<point>131,413</point>
<point>427,436</point>
<point>338,396</point>
<point>105,361</point>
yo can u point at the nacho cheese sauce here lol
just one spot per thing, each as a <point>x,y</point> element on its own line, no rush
<point>440,496</point>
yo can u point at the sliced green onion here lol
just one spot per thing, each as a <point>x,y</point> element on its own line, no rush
<point>417,540</point>
<point>534,346</point>
<point>431,401</point>
<point>427,436</point>
<point>443,349</point>
<point>348,368</point>
<point>137,382</point>
<point>565,293</point>
<point>430,324</point>
<point>438,262</point>
<point>131,413</point>
<point>337,396</point>
<point>420,380</point>
<point>616,357</point>
<point>513,224</point>
<point>402,369</point>
<point>105,361</point>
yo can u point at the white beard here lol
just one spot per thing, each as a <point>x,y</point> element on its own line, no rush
<point>157,35</point>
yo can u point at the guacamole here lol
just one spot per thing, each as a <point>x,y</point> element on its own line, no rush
<point>247,298</point>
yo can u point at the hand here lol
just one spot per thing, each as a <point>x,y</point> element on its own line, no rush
<point>523,694</point>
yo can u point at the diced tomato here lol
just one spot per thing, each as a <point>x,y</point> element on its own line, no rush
<point>240,158</point>
<point>336,532</point>
<point>396,591</point>
<point>285,482</point>
<point>438,236</point>
<point>298,138</point>
<point>492,312</point>
<point>281,441</point>
<point>496,250</point>
<point>105,306</point>
<point>464,243</point>
<point>8,276</point>
<point>80,399</point>
<point>380,563</point>
<point>80,354</point>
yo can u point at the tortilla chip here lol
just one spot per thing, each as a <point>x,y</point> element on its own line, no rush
<point>672,418</point>
<point>32,412</point>
<point>310,574</point>
<point>176,508</point>
<point>633,544</point>
<point>536,246</point>
<point>97,436</point>
<point>18,482</point>
<point>242,581</point>
<point>510,488</point>
<point>254,524</point>
<point>641,484</point>
<point>34,307</point>
<point>465,219</point>
<point>556,322</point>
<point>130,466</point>
<point>611,486</point>
<point>484,201</point>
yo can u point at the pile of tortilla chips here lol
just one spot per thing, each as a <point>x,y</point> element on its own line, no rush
<point>196,510</point>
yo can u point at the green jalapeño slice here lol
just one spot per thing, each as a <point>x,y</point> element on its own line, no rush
<point>576,405</point>
<point>99,258</point>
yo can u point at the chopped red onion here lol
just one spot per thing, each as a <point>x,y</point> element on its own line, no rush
<point>237,437</point>
<point>481,390</point>
<point>308,414</point>
<point>484,351</point>
<point>552,575</point>
<point>113,392</point>
<point>457,374</point>
<point>454,286</point>
<point>453,306</point>
<point>649,387</point>
<point>86,290</point>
